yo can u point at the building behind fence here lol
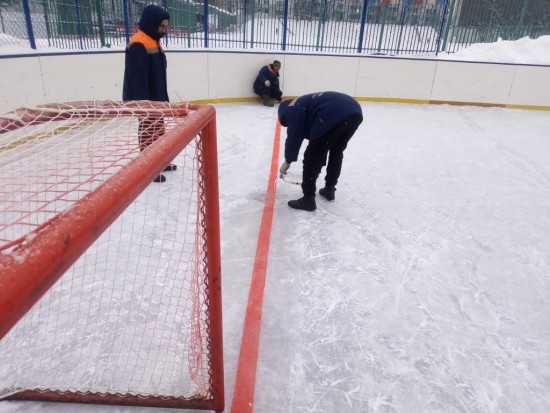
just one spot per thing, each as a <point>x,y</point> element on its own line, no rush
<point>330,26</point>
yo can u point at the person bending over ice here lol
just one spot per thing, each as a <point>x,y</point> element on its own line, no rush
<point>328,120</point>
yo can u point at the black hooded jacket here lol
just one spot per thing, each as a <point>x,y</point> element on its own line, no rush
<point>145,65</point>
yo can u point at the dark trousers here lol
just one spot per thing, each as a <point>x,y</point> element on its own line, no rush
<point>150,129</point>
<point>267,91</point>
<point>333,144</point>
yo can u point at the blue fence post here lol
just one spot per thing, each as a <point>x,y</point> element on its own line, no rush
<point>126,20</point>
<point>442,25</point>
<point>206,24</point>
<point>78,25</point>
<point>362,29</point>
<point>28,20</point>
<point>285,23</point>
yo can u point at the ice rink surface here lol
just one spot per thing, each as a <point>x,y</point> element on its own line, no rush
<point>425,287</point>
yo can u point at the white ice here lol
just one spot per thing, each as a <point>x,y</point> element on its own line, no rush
<point>425,287</point>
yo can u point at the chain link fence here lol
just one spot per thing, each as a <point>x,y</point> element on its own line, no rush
<point>331,26</point>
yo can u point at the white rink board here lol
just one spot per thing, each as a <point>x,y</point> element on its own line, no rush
<point>395,78</point>
<point>310,73</point>
<point>470,82</point>
<point>187,76</point>
<point>82,77</point>
<point>531,86</point>
<point>21,83</point>
<point>203,75</point>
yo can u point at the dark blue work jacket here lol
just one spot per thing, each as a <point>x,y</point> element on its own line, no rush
<point>311,116</point>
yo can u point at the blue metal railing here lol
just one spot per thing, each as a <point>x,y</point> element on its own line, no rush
<point>28,22</point>
<point>329,26</point>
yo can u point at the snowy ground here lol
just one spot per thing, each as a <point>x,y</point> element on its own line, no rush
<point>423,288</point>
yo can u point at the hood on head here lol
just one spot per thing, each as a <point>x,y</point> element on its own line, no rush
<point>150,20</point>
<point>282,107</point>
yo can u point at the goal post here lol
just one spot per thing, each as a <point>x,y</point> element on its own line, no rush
<point>91,256</point>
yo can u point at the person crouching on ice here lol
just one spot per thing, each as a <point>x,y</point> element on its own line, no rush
<point>266,84</point>
<point>328,120</point>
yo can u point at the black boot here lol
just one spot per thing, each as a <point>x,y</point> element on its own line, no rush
<point>170,167</point>
<point>307,203</point>
<point>267,101</point>
<point>328,192</point>
<point>160,178</point>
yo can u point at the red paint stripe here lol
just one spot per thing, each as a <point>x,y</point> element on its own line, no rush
<point>245,381</point>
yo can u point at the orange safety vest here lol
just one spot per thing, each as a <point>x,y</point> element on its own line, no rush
<point>151,45</point>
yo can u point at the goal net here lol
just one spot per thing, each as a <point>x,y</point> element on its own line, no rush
<point>110,282</point>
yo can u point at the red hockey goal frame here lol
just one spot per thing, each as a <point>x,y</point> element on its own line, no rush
<point>32,265</point>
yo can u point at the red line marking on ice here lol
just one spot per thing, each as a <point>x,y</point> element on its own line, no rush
<point>245,381</point>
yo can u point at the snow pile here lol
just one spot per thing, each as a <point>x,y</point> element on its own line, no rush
<point>522,51</point>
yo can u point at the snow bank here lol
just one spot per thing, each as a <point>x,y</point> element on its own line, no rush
<point>522,51</point>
